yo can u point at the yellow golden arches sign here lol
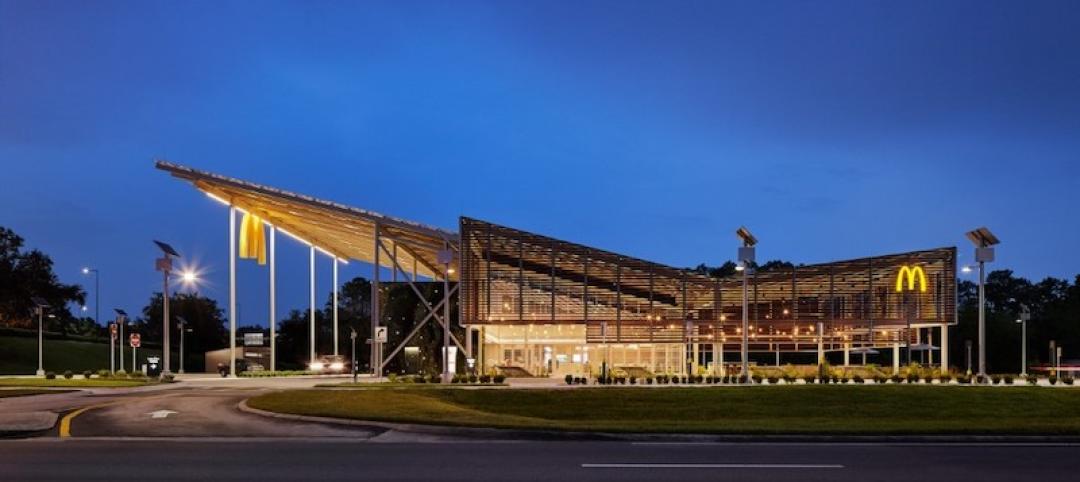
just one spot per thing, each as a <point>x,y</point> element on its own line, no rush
<point>911,275</point>
<point>252,239</point>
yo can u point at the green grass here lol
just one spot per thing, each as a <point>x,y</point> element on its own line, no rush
<point>399,385</point>
<point>18,355</point>
<point>78,382</point>
<point>734,410</point>
<point>27,392</point>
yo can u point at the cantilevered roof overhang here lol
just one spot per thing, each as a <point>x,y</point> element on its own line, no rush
<point>343,231</point>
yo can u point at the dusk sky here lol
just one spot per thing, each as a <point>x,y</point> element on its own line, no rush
<point>833,130</point>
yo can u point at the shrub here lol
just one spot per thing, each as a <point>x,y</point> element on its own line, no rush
<point>756,378</point>
<point>789,379</point>
<point>773,380</point>
<point>685,380</point>
<point>675,380</point>
<point>895,378</point>
<point>945,378</point>
<point>50,375</point>
<point>472,378</point>
<point>499,378</point>
<point>844,380</point>
<point>648,380</point>
<point>633,380</point>
<point>68,375</point>
<point>434,378</point>
<point>963,379</point>
<point>1053,379</point>
<point>879,379</point>
<point>103,374</point>
<point>809,379</point>
<point>168,377</point>
<point>912,377</point>
<point>420,379</point>
<point>569,379</point>
<point>1008,379</point>
<point>121,373</point>
<point>1067,380</point>
<point>1032,380</point>
<point>857,379</point>
<point>87,374</point>
<point>996,379</point>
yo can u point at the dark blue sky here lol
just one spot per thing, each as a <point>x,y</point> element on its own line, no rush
<point>832,129</point>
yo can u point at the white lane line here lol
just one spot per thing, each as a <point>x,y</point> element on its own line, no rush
<point>712,466</point>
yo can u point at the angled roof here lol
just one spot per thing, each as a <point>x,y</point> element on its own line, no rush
<point>343,231</point>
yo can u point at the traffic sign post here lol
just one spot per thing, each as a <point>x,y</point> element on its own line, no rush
<point>112,348</point>
<point>135,340</point>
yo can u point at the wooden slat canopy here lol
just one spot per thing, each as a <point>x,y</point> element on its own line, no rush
<point>343,231</point>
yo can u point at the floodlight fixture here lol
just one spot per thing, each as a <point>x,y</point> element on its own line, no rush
<point>120,312</point>
<point>39,302</point>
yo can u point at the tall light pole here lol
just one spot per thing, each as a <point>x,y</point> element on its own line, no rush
<point>984,242</point>
<point>189,278</point>
<point>746,260</point>
<point>1025,315</point>
<point>39,309</point>
<point>164,264</point>
<point>97,292</point>
<point>121,318</point>
<point>182,324</point>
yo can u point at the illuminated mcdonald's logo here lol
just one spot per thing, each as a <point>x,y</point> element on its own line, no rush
<point>912,275</point>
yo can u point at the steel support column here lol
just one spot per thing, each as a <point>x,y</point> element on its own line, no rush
<point>273,298</point>
<point>232,292</point>
<point>311,303</point>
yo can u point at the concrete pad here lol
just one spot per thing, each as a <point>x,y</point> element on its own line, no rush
<point>26,422</point>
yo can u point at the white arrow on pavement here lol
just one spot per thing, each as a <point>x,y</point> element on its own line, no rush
<point>161,413</point>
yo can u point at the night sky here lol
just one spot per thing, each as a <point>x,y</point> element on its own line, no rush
<point>833,130</point>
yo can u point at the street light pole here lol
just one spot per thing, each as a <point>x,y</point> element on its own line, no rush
<point>39,306</point>
<point>1025,315</point>
<point>984,242</point>
<point>164,264</point>
<point>181,322</point>
<point>121,317</point>
<point>746,259</point>
<point>97,292</point>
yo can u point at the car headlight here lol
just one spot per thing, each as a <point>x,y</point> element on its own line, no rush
<point>337,366</point>
<point>317,366</point>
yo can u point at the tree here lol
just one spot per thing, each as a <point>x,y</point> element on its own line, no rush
<point>204,317</point>
<point>26,274</point>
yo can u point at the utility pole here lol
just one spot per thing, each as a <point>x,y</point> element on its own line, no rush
<point>746,257</point>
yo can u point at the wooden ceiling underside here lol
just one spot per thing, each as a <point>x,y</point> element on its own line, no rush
<point>343,231</point>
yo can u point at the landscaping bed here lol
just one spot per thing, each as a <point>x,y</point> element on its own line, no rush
<point>798,409</point>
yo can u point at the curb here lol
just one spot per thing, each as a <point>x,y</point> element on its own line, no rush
<point>559,435</point>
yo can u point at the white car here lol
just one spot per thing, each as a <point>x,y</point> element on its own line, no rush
<point>329,364</point>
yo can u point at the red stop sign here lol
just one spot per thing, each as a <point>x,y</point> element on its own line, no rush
<point>135,340</point>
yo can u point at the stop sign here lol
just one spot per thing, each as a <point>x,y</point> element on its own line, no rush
<point>135,340</point>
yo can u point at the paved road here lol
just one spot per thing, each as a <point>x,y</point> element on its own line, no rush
<point>337,459</point>
<point>196,412</point>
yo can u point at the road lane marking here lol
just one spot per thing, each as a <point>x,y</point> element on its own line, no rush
<point>711,466</point>
<point>161,413</point>
<point>65,422</point>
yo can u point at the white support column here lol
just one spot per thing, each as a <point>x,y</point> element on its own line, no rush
<point>720,356</point>
<point>273,298</point>
<point>232,293</point>
<point>311,302</point>
<point>336,289</point>
<point>944,348</point>
<point>820,343</point>
<point>896,358</point>
<point>376,358</point>
<point>696,350</point>
<point>847,354</point>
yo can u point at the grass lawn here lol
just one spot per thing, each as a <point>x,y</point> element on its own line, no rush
<point>27,392</point>
<point>735,410</point>
<point>399,385</point>
<point>79,382</point>
<point>18,355</point>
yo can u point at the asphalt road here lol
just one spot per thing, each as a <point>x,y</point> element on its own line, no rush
<point>336,459</point>
<point>193,431</point>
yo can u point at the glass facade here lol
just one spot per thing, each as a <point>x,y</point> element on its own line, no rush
<point>516,283</point>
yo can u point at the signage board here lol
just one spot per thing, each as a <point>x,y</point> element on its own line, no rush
<point>135,340</point>
<point>253,339</point>
<point>380,334</point>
